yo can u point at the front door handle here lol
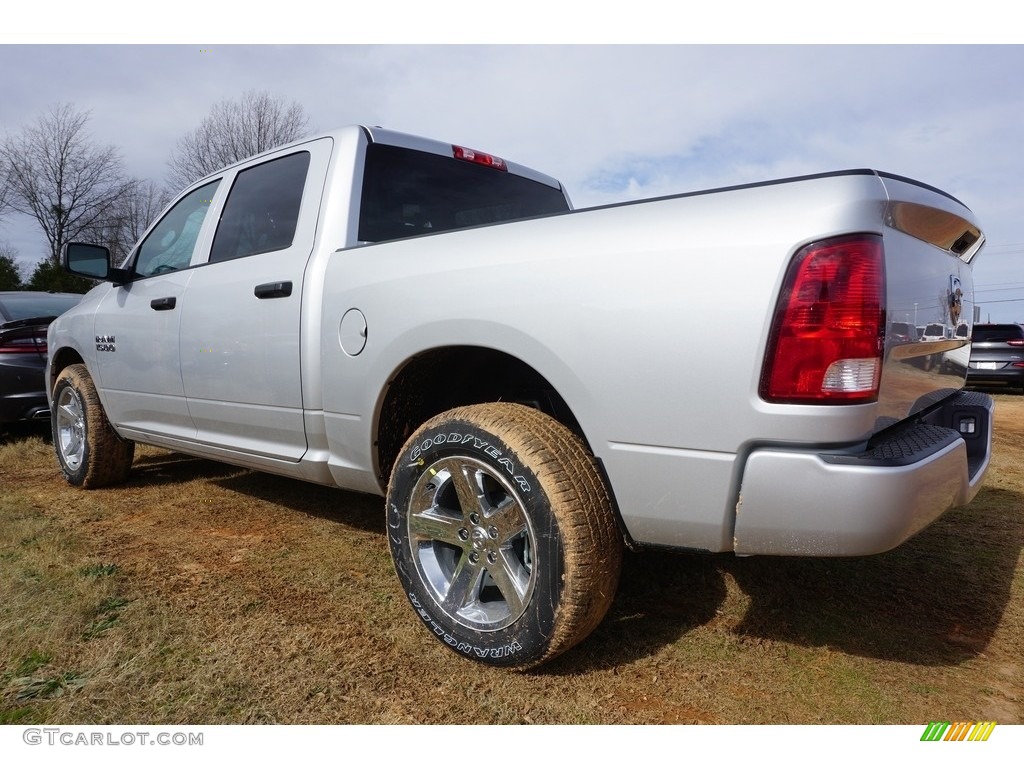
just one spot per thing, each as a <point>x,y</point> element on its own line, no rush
<point>277,290</point>
<point>168,302</point>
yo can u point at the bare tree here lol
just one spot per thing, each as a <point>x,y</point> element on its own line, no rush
<point>233,131</point>
<point>58,176</point>
<point>128,218</point>
<point>142,208</point>
<point>5,187</point>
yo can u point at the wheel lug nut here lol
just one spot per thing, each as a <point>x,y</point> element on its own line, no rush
<point>492,532</point>
<point>474,519</point>
<point>474,557</point>
<point>464,534</point>
<point>492,557</point>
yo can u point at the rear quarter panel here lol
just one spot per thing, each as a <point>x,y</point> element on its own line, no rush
<point>649,319</point>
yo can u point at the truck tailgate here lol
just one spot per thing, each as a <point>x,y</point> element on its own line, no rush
<point>930,241</point>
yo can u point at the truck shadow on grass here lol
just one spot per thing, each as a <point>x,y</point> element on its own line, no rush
<point>936,600</point>
<point>177,469</point>
<point>662,597</point>
<point>22,430</point>
<point>355,510</point>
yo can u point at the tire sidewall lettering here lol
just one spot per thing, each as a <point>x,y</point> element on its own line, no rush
<point>477,443</point>
<point>526,639</point>
<point>461,646</point>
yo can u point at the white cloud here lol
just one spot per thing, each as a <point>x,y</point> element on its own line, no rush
<point>613,122</point>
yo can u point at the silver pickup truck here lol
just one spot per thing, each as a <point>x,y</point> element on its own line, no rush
<point>533,387</point>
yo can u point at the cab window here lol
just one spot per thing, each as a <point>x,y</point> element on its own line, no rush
<point>407,192</point>
<point>170,245</point>
<point>262,209</point>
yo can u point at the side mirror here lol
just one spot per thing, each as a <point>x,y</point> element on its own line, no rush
<point>92,261</point>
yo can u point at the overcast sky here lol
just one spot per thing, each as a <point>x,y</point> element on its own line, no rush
<point>613,122</point>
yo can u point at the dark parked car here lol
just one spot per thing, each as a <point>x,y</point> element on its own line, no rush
<point>997,355</point>
<point>24,318</point>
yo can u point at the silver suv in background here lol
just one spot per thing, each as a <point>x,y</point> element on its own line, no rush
<point>997,355</point>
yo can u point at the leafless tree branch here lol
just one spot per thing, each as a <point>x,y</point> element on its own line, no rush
<point>59,177</point>
<point>233,131</point>
<point>128,218</point>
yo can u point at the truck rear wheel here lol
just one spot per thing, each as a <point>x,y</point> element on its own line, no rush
<point>89,452</point>
<point>502,533</point>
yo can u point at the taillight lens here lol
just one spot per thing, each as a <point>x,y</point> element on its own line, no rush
<point>20,343</point>
<point>827,336</point>
<point>1016,342</point>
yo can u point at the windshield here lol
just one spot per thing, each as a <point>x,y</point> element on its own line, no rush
<point>407,192</point>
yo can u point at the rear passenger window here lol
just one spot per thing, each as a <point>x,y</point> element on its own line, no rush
<point>262,209</point>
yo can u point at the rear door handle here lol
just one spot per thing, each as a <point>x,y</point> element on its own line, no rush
<point>168,302</point>
<point>276,290</point>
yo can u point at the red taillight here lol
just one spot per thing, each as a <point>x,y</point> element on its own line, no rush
<point>1016,342</point>
<point>20,343</point>
<point>827,337</point>
<point>480,158</point>
<point>21,349</point>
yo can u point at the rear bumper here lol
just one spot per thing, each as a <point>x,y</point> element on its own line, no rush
<point>22,388</point>
<point>838,504</point>
<point>1006,377</point>
<point>30,406</point>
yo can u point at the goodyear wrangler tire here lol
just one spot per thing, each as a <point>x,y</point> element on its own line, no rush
<point>90,453</point>
<point>502,533</point>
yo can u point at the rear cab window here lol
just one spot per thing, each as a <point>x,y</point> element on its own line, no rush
<point>408,192</point>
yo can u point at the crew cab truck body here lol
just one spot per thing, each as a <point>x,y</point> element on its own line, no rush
<point>530,386</point>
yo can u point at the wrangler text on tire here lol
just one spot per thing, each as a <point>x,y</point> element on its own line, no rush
<point>503,534</point>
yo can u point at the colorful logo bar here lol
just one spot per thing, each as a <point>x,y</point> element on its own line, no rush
<point>958,731</point>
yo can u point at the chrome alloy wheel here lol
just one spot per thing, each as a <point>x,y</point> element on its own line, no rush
<point>70,432</point>
<point>472,543</point>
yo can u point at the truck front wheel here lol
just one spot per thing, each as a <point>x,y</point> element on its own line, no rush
<point>502,533</point>
<point>89,452</point>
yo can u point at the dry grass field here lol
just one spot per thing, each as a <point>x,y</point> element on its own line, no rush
<point>201,593</point>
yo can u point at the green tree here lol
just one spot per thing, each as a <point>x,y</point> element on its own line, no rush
<point>49,276</point>
<point>10,275</point>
